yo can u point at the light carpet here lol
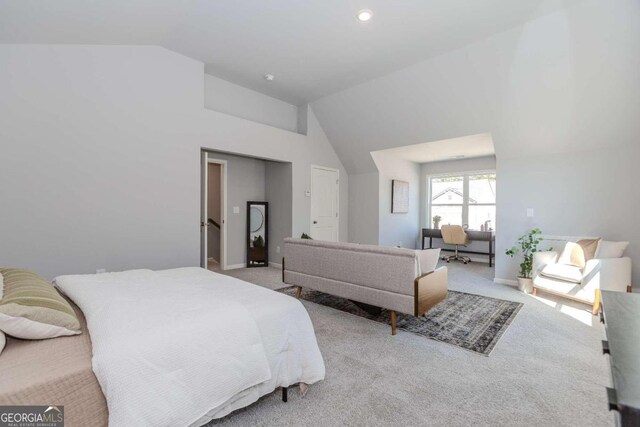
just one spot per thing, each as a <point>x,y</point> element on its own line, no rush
<point>547,370</point>
<point>269,277</point>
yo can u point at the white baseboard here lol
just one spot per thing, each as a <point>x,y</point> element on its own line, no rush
<point>509,282</point>
<point>276,265</point>
<point>235,266</point>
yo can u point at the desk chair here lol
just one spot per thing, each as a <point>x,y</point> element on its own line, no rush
<point>455,235</point>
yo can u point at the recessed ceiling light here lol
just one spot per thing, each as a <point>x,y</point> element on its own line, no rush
<point>269,77</point>
<point>364,15</point>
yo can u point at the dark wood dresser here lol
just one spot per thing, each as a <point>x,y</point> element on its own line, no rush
<point>621,317</point>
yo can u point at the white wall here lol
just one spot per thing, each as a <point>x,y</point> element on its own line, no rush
<point>566,81</point>
<point>397,229</point>
<point>105,143</point>
<point>279,188</point>
<point>461,165</point>
<point>364,208</point>
<point>559,86</point>
<point>225,97</point>
<point>588,193</point>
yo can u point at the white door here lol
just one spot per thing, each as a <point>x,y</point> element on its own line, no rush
<point>205,224</point>
<point>203,209</point>
<point>324,203</point>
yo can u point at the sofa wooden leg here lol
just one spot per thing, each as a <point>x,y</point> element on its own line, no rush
<point>629,289</point>
<point>534,291</point>
<point>298,292</point>
<point>394,318</point>
<point>596,303</point>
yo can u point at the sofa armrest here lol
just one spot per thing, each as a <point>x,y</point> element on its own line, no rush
<point>610,274</point>
<point>427,260</point>
<point>430,289</point>
<point>542,259</point>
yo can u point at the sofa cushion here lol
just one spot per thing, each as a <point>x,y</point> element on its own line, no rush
<point>568,273</point>
<point>428,260</point>
<point>561,287</point>
<point>572,255</point>
<point>589,247</point>
<point>608,249</point>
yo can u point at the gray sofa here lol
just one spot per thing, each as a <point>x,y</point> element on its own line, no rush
<point>399,280</point>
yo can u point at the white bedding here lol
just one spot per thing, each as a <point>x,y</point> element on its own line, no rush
<point>181,347</point>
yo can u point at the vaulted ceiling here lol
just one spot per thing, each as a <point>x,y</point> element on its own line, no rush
<point>539,76</point>
<point>564,82</point>
<point>314,48</point>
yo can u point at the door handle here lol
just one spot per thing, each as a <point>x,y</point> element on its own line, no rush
<point>315,222</point>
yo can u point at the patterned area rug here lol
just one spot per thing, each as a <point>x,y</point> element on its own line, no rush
<point>472,322</point>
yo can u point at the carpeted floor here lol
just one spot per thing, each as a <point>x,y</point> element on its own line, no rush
<point>269,277</point>
<point>547,369</point>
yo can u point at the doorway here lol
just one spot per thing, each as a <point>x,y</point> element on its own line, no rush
<point>213,213</point>
<point>324,203</point>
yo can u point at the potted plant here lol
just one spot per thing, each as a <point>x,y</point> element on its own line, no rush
<point>436,221</point>
<point>527,245</point>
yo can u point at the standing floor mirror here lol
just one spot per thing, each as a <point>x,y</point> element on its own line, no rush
<point>257,236</point>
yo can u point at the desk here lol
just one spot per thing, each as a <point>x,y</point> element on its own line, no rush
<point>474,235</point>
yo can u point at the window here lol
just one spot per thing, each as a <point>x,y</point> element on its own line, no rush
<point>447,198</point>
<point>468,198</point>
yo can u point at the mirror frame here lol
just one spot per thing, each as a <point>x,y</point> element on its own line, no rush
<point>262,262</point>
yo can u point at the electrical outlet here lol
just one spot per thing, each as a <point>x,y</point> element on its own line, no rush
<point>236,209</point>
<point>278,249</point>
<point>529,212</point>
<point>101,270</point>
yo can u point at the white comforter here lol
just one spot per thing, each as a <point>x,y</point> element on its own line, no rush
<point>181,347</point>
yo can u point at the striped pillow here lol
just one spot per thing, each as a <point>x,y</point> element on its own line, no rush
<point>31,308</point>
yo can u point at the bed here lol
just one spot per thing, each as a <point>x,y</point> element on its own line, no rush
<point>54,371</point>
<point>172,347</point>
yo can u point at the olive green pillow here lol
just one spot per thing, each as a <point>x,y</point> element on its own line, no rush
<point>31,308</point>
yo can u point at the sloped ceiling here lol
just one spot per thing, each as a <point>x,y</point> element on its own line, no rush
<point>566,81</point>
<point>447,149</point>
<point>314,48</point>
<point>540,76</point>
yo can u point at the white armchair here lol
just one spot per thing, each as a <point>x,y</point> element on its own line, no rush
<point>611,274</point>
